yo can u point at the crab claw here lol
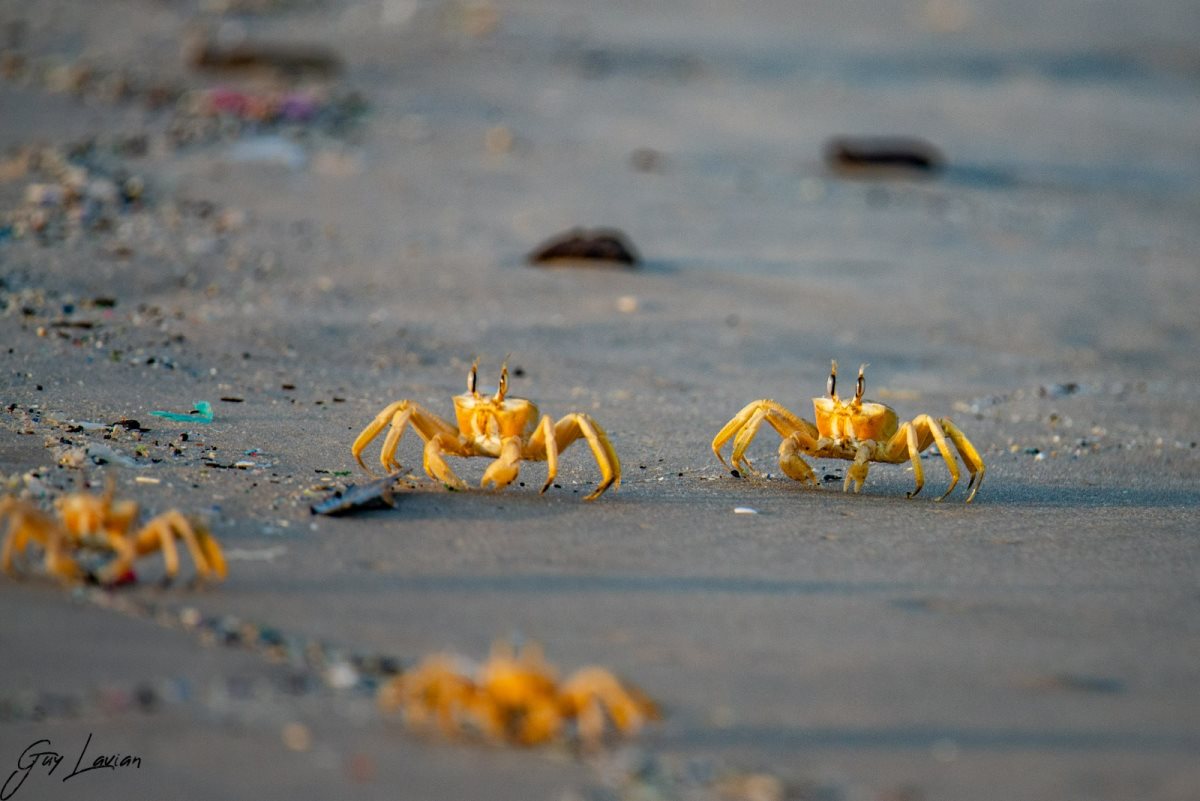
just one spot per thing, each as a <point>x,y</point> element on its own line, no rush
<point>499,475</point>
<point>503,471</point>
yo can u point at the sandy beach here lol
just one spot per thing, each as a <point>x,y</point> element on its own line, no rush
<point>300,211</point>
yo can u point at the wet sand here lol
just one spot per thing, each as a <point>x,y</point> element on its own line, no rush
<point>1041,290</point>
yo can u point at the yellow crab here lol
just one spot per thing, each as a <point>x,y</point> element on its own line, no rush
<point>515,697</point>
<point>97,526</point>
<point>507,429</point>
<point>858,430</point>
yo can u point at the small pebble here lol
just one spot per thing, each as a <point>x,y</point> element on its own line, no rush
<point>498,140</point>
<point>341,676</point>
<point>297,737</point>
<point>627,304</point>
<point>744,510</point>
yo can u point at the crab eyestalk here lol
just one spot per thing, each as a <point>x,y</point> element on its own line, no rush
<point>860,386</point>
<point>503,388</point>
<point>831,387</point>
<point>471,376</point>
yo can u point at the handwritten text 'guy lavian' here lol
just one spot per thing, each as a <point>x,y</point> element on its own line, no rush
<point>40,754</point>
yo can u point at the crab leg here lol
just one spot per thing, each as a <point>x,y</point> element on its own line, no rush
<point>200,544</point>
<point>158,533</point>
<point>58,563</point>
<point>740,421</point>
<point>969,455</point>
<point>590,691</point>
<point>26,524</point>
<point>372,430</point>
<point>576,425</point>
<point>20,529</point>
<point>914,437</point>
<point>543,445</point>
<point>940,438</point>
<point>155,534</point>
<point>434,463</point>
<point>399,414</point>
<point>744,426</point>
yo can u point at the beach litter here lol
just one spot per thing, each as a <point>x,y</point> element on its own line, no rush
<point>201,413</point>
<point>377,494</point>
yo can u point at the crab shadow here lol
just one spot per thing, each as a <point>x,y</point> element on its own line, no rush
<point>427,502</point>
<point>893,491</point>
<point>1087,497</point>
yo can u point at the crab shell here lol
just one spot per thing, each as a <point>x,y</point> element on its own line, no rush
<point>857,420</point>
<point>487,421</point>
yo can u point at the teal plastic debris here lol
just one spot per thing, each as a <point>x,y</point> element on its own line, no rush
<point>202,413</point>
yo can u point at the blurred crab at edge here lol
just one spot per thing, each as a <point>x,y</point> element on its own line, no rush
<point>515,697</point>
<point>505,428</point>
<point>93,538</point>
<point>858,430</point>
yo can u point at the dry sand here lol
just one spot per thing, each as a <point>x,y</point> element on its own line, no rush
<point>1039,643</point>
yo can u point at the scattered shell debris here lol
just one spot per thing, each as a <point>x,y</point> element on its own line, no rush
<point>255,554</point>
<point>633,774</point>
<point>744,510</point>
<point>312,666</point>
<point>71,190</point>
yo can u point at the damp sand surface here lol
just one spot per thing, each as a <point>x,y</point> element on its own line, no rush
<point>1040,289</point>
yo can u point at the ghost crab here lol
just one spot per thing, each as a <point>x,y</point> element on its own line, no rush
<point>507,429</point>
<point>858,430</point>
<point>516,697</point>
<point>96,527</point>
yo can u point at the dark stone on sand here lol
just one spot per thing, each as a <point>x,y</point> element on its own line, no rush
<point>597,245</point>
<point>878,156</point>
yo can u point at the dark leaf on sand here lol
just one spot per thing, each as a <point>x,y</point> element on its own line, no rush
<point>377,494</point>
<point>598,245</point>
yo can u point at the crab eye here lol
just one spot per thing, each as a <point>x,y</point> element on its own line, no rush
<point>832,385</point>
<point>858,390</point>
<point>471,378</point>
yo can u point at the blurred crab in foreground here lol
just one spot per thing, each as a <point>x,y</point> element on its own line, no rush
<point>507,429</point>
<point>92,538</point>
<point>515,697</point>
<point>858,430</point>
